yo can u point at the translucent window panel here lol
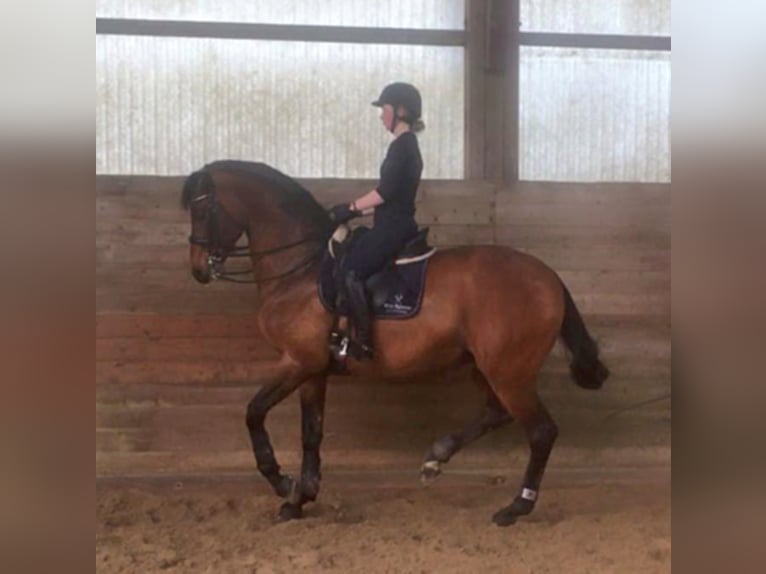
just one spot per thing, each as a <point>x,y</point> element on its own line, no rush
<point>594,115</point>
<point>168,105</point>
<point>437,14</point>
<point>639,17</point>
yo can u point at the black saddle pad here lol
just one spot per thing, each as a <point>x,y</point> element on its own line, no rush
<point>396,292</point>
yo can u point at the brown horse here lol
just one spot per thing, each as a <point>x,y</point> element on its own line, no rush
<point>491,306</point>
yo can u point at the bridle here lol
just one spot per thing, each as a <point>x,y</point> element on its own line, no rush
<point>218,253</point>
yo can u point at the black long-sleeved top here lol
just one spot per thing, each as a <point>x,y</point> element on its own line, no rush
<point>399,179</point>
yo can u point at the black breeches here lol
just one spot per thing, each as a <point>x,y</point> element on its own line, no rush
<point>375,249</point>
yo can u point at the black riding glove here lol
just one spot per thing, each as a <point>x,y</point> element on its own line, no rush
<point>342,213</point>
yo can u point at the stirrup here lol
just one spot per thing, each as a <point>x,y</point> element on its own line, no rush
<point>339,344</point>
<point>360,351</point>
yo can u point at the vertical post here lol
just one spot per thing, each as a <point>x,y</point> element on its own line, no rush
<point>501,89</point>
<point>511,155</point>
<point>475,66</point>
<point>497,35</point>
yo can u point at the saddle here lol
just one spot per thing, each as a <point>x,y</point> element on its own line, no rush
<point>395,292</point>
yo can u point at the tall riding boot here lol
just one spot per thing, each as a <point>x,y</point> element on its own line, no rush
<point>360,315</point>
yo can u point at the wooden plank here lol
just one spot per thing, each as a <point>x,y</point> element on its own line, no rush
<point>583,236</point>
<point>175,254</point>
<point>113,251</point>
<point>438,189</point>
<point>177,278</point>
<point>649,216</point>
<point>170,302</point>
<point>144,195</point>
<point>481,457</point>
<point>456,211</point>
<point>345,399</point>
<point>287,32</point>
<point>167,189</point>
<point>454,235</point>
<point>616,281</point>
<point>202,349</point>
<point>382,428</point>
<point>178,303</point>
<point>137,241</point>
<point>164,326</point>
<point>153,327</point>
<point>563,192</point>
<point>142,231</point>
<point>608,257</point>
<point>622,303</point>
<point>129,216</point>
<point>633,345</point>
<point>651,360</point>
<point>122,406</point>
<point>182,372</point>
<point>125,350</point>
<point>159,210</point>
<point>120,220</point>
<point>359,419</point>
<point>129,440</point>
<point>577,241</point>
<point>117,277</point>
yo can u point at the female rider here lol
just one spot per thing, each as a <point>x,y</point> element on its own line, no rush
<point>392,202</point>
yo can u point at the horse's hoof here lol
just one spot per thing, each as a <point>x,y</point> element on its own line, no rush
<point>429,472</point>
<point>508,515</point>
<point>504,517</point>
<point>289,511</point>
<point>286,486</point>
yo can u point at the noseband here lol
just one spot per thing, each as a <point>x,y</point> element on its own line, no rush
<point>218,253</point>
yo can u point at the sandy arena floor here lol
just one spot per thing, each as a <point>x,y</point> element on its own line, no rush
<point>583,523</point>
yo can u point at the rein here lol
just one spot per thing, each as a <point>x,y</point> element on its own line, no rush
<point>215,263</point>
<point>217,253</point>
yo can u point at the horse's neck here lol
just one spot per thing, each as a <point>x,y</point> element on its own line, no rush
<point>273,233</point>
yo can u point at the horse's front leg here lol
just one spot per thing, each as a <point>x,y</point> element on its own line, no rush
<point>282,382</point>
<point>312,422</point>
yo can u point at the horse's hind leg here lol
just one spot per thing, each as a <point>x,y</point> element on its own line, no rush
<point>541,433</point>
<point>493,416</point>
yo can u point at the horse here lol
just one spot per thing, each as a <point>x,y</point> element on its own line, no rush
<point>490,306</point>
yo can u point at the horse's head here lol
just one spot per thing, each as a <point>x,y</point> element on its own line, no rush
<point>216,225</point>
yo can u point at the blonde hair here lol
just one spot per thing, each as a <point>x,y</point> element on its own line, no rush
<point>417,126</point>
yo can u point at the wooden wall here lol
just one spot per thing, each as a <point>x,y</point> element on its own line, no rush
<point>174,359</point>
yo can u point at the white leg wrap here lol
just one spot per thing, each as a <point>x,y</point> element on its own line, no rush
<point>529,494</point>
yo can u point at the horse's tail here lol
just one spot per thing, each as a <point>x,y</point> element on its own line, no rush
<point>586,368</point>
<point>198,181</point>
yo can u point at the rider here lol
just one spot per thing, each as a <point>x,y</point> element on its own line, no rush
<point>392,202</point>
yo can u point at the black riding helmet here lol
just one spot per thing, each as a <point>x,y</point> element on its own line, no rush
<point>401,94</point>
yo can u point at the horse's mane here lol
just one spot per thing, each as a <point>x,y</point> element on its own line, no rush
<point>297,201</point>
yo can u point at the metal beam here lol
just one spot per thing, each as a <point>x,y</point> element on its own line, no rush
<point>233,30</point>
<point>595,41</point>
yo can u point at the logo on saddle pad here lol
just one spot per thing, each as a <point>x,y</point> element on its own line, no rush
<point>397,305</point>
